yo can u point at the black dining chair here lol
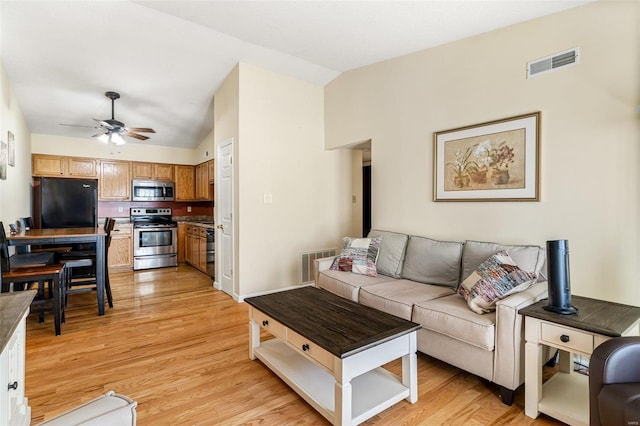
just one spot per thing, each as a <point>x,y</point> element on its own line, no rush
<point>18,274</point>
<point>85,265</point>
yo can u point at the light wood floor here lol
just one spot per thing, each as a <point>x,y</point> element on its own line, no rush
<point>180,349</point>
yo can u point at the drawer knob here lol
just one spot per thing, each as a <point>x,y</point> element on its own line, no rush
<point>13,386</point>
<point>564,338</point>
<point>305,347</point>
<point>265,323</point>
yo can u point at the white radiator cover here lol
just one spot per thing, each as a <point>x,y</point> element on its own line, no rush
<point>306,262</point>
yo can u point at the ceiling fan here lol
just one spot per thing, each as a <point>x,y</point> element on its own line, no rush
<point>113,130</point>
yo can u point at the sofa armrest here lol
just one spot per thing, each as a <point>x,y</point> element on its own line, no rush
<point>508,362</point>
<point>320,265</point>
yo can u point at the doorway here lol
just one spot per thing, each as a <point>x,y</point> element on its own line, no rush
<point>366,199</point>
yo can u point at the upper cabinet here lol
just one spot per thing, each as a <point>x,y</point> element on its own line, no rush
<point>60,166</point>
<point>152,171</point>
<point>115,180</point>
<point>203,187</point>
<point>211,167</point>
<point>185,183</point>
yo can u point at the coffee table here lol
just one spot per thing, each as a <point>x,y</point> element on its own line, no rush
<point>330,351</point>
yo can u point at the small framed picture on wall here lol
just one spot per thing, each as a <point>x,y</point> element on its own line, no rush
<point>3,160</point>
<point>11,140</point>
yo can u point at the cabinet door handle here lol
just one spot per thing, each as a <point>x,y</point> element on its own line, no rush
<point>564,338</point>
<point>265,323</point>
<point>13,386</point>
<point>305,347</point>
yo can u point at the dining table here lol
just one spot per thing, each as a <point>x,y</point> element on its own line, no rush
<point>67,236</point>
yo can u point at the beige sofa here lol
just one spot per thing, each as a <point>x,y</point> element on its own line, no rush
<point>417,280</point>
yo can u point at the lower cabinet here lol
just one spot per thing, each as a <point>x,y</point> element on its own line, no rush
<point>121,248</point>
<point>195,247</point>
<point>14,408</point>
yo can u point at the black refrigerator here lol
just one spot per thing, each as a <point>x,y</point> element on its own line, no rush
<point>66,203</point>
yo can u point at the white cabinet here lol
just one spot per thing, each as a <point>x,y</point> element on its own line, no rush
<point>14,408</point>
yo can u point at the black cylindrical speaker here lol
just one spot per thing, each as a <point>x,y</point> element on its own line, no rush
<point>559,282</point>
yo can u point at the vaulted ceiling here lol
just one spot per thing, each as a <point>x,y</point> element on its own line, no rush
<point>167,58</point>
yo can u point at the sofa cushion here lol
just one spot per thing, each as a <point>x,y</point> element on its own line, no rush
<point>529,258</point>
<point>358,255</point>
<point>398,297</point>
<point>432,261</point>
<point>391,254</point>
<point>495,278</point>
<point>451,317</point>
<point>347,284</point>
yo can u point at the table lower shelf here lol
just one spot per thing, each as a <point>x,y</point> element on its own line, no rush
<point>566,398</point>
<point>372,392</point>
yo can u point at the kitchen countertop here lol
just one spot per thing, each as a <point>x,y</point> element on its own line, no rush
<point>12,308</point>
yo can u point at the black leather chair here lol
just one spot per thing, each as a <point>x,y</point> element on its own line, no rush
<point>614,383</point>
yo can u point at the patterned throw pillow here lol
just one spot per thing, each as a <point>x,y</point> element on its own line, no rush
<point>496,278</point>
<point>358,255</point>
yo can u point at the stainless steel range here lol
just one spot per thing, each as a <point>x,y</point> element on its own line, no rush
<point>155,238</point>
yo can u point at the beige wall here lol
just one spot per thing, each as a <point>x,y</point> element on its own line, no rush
<point>205,151</point>
<point>15,191</point>
<point>280,152</point>
<point>589,138</point>
<point>89,147</point>
<point>226,126</point>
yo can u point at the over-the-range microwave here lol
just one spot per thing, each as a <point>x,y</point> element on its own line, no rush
<point>153,190</point>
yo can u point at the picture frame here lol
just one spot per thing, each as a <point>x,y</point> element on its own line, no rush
<point>3,160</point>
<point>11,140</point>
<point>492,161</point>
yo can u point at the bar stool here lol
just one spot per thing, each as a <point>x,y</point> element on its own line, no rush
<point>86,284</point>
<point>27,274</point>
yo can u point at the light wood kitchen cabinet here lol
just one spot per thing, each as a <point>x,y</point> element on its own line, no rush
<point>152,171</point>
<point>196,247</point>
<point>202,248</point>
<point>114,180</point>
<point>185,183</point>
<point>61,166</point>
<point>188,247</point>
<point>182,240</point>
<point>203,188</point>
<point>121,248</point>
<point>212,170</point>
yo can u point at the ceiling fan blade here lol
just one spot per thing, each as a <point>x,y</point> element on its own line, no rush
<point>103,123</point>
<point>135,135</point>
<point>140,129</point>
<point>76,125</point>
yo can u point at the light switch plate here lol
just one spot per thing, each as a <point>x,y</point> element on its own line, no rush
<point>267,198</point>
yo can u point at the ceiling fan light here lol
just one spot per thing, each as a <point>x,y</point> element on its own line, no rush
<point>103,138</point>
<point>117,139</point>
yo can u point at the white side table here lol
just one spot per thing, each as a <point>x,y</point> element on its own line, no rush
<point>565,396</point>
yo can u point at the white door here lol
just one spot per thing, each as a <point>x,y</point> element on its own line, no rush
<point>224,209</point>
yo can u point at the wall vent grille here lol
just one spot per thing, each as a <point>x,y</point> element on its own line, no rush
<point>306,263</point>
<point>553,62</point>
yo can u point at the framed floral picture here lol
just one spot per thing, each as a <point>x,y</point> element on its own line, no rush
<point>493,161</point>
<point>11,140</point>
<point>3,160</point>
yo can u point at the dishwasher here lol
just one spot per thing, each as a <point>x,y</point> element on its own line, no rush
<point>211,252</point>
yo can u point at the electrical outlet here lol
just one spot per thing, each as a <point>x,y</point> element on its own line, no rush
<point>120,209</point>
<point>188,209</point>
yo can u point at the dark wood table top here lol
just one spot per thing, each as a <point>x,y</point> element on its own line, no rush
<point>55,233</point>
<point>336,324</point>
<point>598,316</point>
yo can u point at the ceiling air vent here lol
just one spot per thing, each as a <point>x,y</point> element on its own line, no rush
<point>553,62</point>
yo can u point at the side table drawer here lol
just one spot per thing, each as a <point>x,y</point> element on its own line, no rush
<point>569,338</point>
<point>268,323</point>
<point>310,349</point>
